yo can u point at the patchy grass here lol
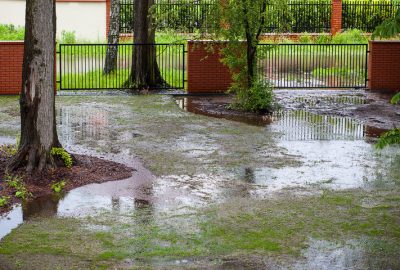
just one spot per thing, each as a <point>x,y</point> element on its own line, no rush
<point>276,227</point>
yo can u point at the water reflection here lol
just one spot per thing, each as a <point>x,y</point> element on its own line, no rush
<point>78,123</point>
<point>293,125</point>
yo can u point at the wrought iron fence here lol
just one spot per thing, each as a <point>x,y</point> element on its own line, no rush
<point>313,16</point>
<point>181,15</point>
<point>80,66</point>
<point>313,65</point>
<point>367,15</point>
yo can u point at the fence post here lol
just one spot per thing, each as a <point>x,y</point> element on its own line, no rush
<point>336,16</point>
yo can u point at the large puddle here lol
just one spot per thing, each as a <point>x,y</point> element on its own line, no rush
<point>331,152</point>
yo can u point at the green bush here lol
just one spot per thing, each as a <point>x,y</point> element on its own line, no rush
<point>11,32</point>
<point>257,99</point>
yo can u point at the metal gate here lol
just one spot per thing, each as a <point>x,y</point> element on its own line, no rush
<point>80,66</point>
<point>313,65</point>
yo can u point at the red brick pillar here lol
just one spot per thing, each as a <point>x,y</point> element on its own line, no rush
<point>384,66</point>
<point>108,9</point>
<point>206,73</point>
<point>336,16</point>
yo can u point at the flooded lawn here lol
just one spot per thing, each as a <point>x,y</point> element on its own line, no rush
<point>302,189</point>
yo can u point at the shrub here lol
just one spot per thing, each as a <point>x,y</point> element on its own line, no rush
<point>11,32</point>
<point>257,99</point>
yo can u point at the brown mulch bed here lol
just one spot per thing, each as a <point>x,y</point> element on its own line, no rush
<point>87,170</point>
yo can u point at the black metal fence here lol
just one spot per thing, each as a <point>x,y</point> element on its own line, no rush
<point>181,15</point>
<point>80,66</point>
<point>313,65</point>
<point>367,16</point>
<point>313,16</point>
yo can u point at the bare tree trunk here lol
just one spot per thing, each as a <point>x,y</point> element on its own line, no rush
<point>113,38</point>
<point>37,101</point>
<point>145,72</point>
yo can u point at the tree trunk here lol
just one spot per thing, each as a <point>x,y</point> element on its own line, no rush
<point>113,38</point>
<point>37,102</point>
<point>251,65</point>
<point>145,72</point>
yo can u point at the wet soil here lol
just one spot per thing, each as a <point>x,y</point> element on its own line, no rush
<point>373,109</point>
<point>88,170</point>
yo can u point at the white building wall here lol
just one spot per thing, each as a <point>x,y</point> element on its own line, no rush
<point>87,19</point>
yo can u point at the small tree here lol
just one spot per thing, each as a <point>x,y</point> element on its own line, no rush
<point>242,23</point>
<point>113,38</point>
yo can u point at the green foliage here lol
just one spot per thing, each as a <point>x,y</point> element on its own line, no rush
<point>63,155</point>
<point>392,136</point>
<point>396,99</point>
<point>4,200</point>
<point>58,186</point>
<point>8,150</point>
<point>389,28</point>
<point>68,37</point>
<point>257,99</point>
<point>389,138</point>
<point>16,182</point>
<point>11,32</point>
<point>353,36</point>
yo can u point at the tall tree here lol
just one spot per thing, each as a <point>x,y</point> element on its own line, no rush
<point>145,72</point>
<point>37,100</point>
<point>113,38</point>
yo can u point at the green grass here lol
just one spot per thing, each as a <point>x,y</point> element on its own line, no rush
<point>96,79</point>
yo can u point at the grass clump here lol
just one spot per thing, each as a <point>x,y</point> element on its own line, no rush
<point>63,154</point>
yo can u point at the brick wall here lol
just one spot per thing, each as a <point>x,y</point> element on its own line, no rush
<point>11,57</point>
<point>384,66</point>
<point>206,73</point>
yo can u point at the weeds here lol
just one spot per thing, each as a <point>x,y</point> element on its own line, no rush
<point>16,182</point>
<point>58,186</point>
<point>4,200</point>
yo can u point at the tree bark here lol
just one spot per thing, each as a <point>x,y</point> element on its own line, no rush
<point>37,100</point>
<point>113,38</point>
<point>145,72</point>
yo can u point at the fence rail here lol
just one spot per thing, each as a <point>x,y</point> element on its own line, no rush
<point>313,65</point>
<point>367,16</point>
<point>300,16</point>
<point>184,16</point>
<point>80,66</point>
